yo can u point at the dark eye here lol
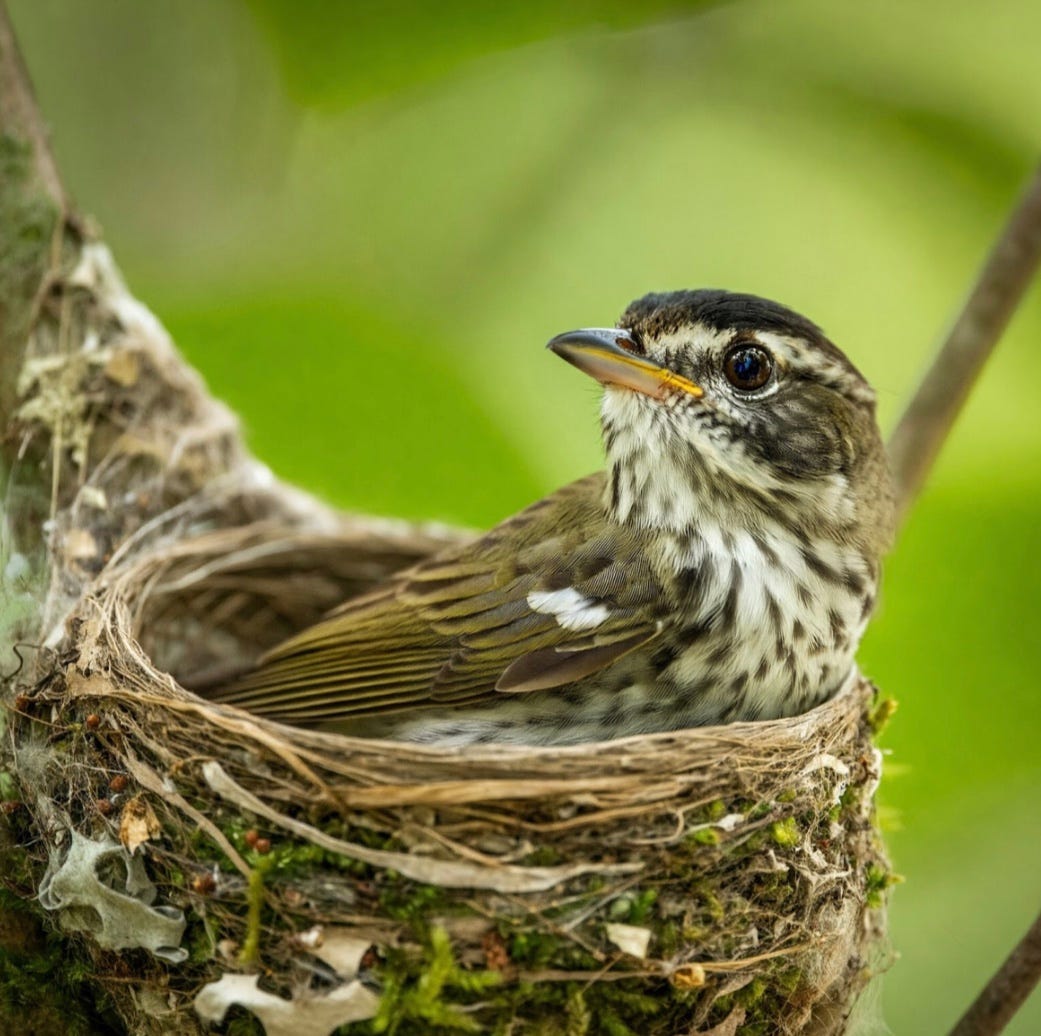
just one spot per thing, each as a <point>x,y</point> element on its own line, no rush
<point>748,367</point>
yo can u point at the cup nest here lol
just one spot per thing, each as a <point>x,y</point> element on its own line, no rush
<point>214,868</point>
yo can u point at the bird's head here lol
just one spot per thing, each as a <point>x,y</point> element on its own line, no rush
<point>731,408</point>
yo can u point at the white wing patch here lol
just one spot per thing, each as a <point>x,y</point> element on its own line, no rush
<point>572,610</point>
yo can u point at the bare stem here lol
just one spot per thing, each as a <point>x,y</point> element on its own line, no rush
<point>1007,991</point>
<point>1005,276</point>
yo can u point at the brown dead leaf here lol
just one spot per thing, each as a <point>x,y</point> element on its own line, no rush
<point>138,823</point>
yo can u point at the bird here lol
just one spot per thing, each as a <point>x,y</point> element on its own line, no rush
<point>721,568</point>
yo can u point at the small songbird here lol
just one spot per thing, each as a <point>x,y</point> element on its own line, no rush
<point>722,568</point>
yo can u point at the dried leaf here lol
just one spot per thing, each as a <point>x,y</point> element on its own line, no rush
<point>342,950</point>
<point>630,939</point>
<point>138,823</point>
<point>302,1016</point>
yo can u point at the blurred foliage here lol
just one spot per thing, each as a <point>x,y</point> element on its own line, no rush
<point>331,57</point>
<point>403,392</point>
<point>362,221</point>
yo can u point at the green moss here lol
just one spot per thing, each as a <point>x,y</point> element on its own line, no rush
<point>751,994</point>
<point>413,991</point>
<point>578,1016</point>
<point>201,938</point>
<point>630,1000</point>
<point>240,1022</point>
<point>582,1008</point>
<point>611,1025</point>
<point>633,907</point>
<point>752,845</point>
<point>532,949</point>
<point>787,981</point>
<point>9,791</point>
<point>642,905</point>
<point>292,859</point>
<point>426,991</point>
<point>881,715</point>
<point>786,833</point>
<point>406,901</point>
<point>713,906</point>
<point>668,938</point>
<point>45,982</point>
<point>763,1000</point>
<point>775,890</point>
<point>544,856</point>
<point>703,836</point>
<point>850,798</point>
<point>877,880</point>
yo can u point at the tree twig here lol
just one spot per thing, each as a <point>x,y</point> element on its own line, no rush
<point>34,211</point>
<point>1005,276</point>
<point>19,114</point>
<point>1007,991</point>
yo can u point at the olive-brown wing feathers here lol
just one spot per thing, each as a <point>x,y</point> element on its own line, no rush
<point>548,597</point>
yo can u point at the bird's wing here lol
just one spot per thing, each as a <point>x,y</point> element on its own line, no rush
<point>549,596</point>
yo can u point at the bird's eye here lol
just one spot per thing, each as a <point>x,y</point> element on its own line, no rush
<point>748,367</point>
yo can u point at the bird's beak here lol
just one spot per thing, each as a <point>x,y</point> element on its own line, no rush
<point>611,356</point>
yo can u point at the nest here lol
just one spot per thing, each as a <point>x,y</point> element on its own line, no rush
<point>210,868</point>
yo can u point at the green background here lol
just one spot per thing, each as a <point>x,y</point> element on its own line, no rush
<point>362,221</point>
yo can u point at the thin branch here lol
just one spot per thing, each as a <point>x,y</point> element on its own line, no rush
<point>34,213</point>
<point>19,114</point>
<point>1005,276</point>
<point>1007,991</point>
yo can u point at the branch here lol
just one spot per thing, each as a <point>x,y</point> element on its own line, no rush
<point>1007,991</point>
<point>926,422</point>
<point>19,114</point>
<point>33,211</point>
